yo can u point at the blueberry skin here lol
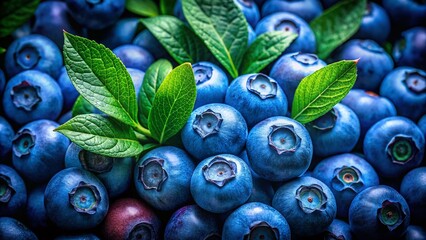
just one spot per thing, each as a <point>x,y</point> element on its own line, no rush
<point>250,11</point>
<point>95,14</point>
<point>410,49</point>
<point>405,87</point>
<point>422,125</point>
<point>335,132</point>
<point>32,95</point>
<point>211,83</point>
<point>69,93</point>
<point>256,97</point>
<point>78,237</point>
<point>114,173</point>
<point>405,14</point>
<point>137,78</point>
<point>375,24</point>
<point>76,199</point>
<point>6,137</point>
<point>33,52</point>
<point>306,9</point>
<point>37,146</point>
<point>213,129</point>
<point>393,146</point>
<point>35,210</point>
<point>367,213</point>
<point>162,177</point>
<point>415,233</point>
<point>120,33</point>
<point>288,22</point>
<point>373,65</point>
<point>255,220</point>
<point>251,35</point>
<point>338,229</point>
<point>262,192</point>
<point>346,175</point>
<point>65,117</point>
<point>279,149</point>
<point>146,40</point>
<point>191,222</point>
<point>291,68</point>
<point>2,82</point>
<point>10,228</point>
<point>134,56</point>
<point>13,197</point>
<point>304,217</point>
<point>413,190</point>
<point>221,183</point>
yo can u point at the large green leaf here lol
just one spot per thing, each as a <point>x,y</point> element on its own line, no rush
<point>14,13</point>
<point>145,8</point>
<point>152,80</point>
<point>102,135</point>
<point>320,91</point>
<point>223,28</point>
<point>173,103</point>
<point>265,49</point>
<point>337,24</point>
<point>181,43</point>
<point>101,78</point>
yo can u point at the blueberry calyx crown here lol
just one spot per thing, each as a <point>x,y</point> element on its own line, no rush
<point>311,198</point>
<point>305,58</point>
<point>261,85</point>
<point>27,56</point>
<point>415,81</point>
<point>94,162</point>
<point>25,96</point>
<point>152,174</point>
<point>6,189</point>
<point>347,178</point>
<point>371,46</point>
<point>142,231</point>
<point>287,26</point>
<point>326,121</point>
<point>391,214</point>
<point>402,149</point>
<point>284,139</point>
<point>23,142</point>
<point>207,123</point>
<point>202,73</point>
<point>85,198</point>
<point>219,171</point>
<point>262,230</point>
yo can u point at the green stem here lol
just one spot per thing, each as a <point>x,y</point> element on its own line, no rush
<point>142,138</point>
<point>143,130</point>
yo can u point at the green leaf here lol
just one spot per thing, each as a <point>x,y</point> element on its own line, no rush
<point>82,106</point>
<point>2,50</point>
<point>173,103</point>
<point>166,6</point>
<point>264,50</point>
<point>152,80</point>
<point>337,24</point>
<point>320,91</point>
<point>14,13</point>
<point>181,43</point>
<point>144,8</point>
<point>101,78</point>
<point>223,28</point>
<point>105,136</point>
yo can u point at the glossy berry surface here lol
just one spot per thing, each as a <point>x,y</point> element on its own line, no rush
<point>134,56</point>
<point>120,33</point>
<point>10,228</point>
<point>13,192</point>
<point>375,24</point>
<point>410,48</point>
<point>250,10</point>
<point>69,93</point>
<point>306,9</point>
<point>413,190</point>
<point>6,137</point>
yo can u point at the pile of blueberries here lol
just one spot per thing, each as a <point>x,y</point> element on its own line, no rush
<point>243,168</point>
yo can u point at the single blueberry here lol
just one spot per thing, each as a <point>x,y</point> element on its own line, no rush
<point>13,192</point>
<point>134,56</point>
<point>414,192</point>
<point>375,24</point>
<point>410,48</point>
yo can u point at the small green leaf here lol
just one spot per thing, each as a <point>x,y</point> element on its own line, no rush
<point>144,8</point>
<point>2,50</point>
<point>173,103</point>
<point>337,24</point>
<point>223,28</point>
<point>82,106</point>
<point>154,76</point>
<point>265,49</point>
<point>14,13</point>
<point>102,135</point>
<point>181,43</point>
<point>166,7</point>
<point>101,78</point>
<point>320,91</point>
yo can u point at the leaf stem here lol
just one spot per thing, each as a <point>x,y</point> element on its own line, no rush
<point>142,131</point>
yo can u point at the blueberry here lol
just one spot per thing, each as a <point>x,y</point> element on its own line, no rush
<point>393,146</point>
<point>338,229</point>
<point>69,93</point>
<point>146,40</point>
<point>192,222</point>
<point>415,233</point>
<point>13,192</point>
<point>375,24</point>
<point>75,199</point>
<point>373,65</point>
<point>34,52</point>
<point>337,131</point>
<point>120,33</point>
<point>405,14</point>
<point>256,221</point>
<point>137,78</point>
<point>262,191</point>
<point>379,212</point>
<point>221,183</point>
<point>346,175</point>
<point>10,228</point>
<point>214,129</point>
<point>410,48</point>
<point>279,149</point>
<point>162,177</point>
<point>307,204</point>
<point>256,97</point>
<point>406,88</point>
<point>250,11</point>
<point>134,56</point>
<point>35,210</point>
<point>413,190</point>
<point>6,137</point>
<point>306,9</point>
<point>32,95</point>
<point>288,22</point>
<point>65,117</point>
<point>211,82</point>
<point>251,35</point>
<point>2,82</point>
<point>291,68</point>
<point>422,125</point>
<point>89,236</point>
